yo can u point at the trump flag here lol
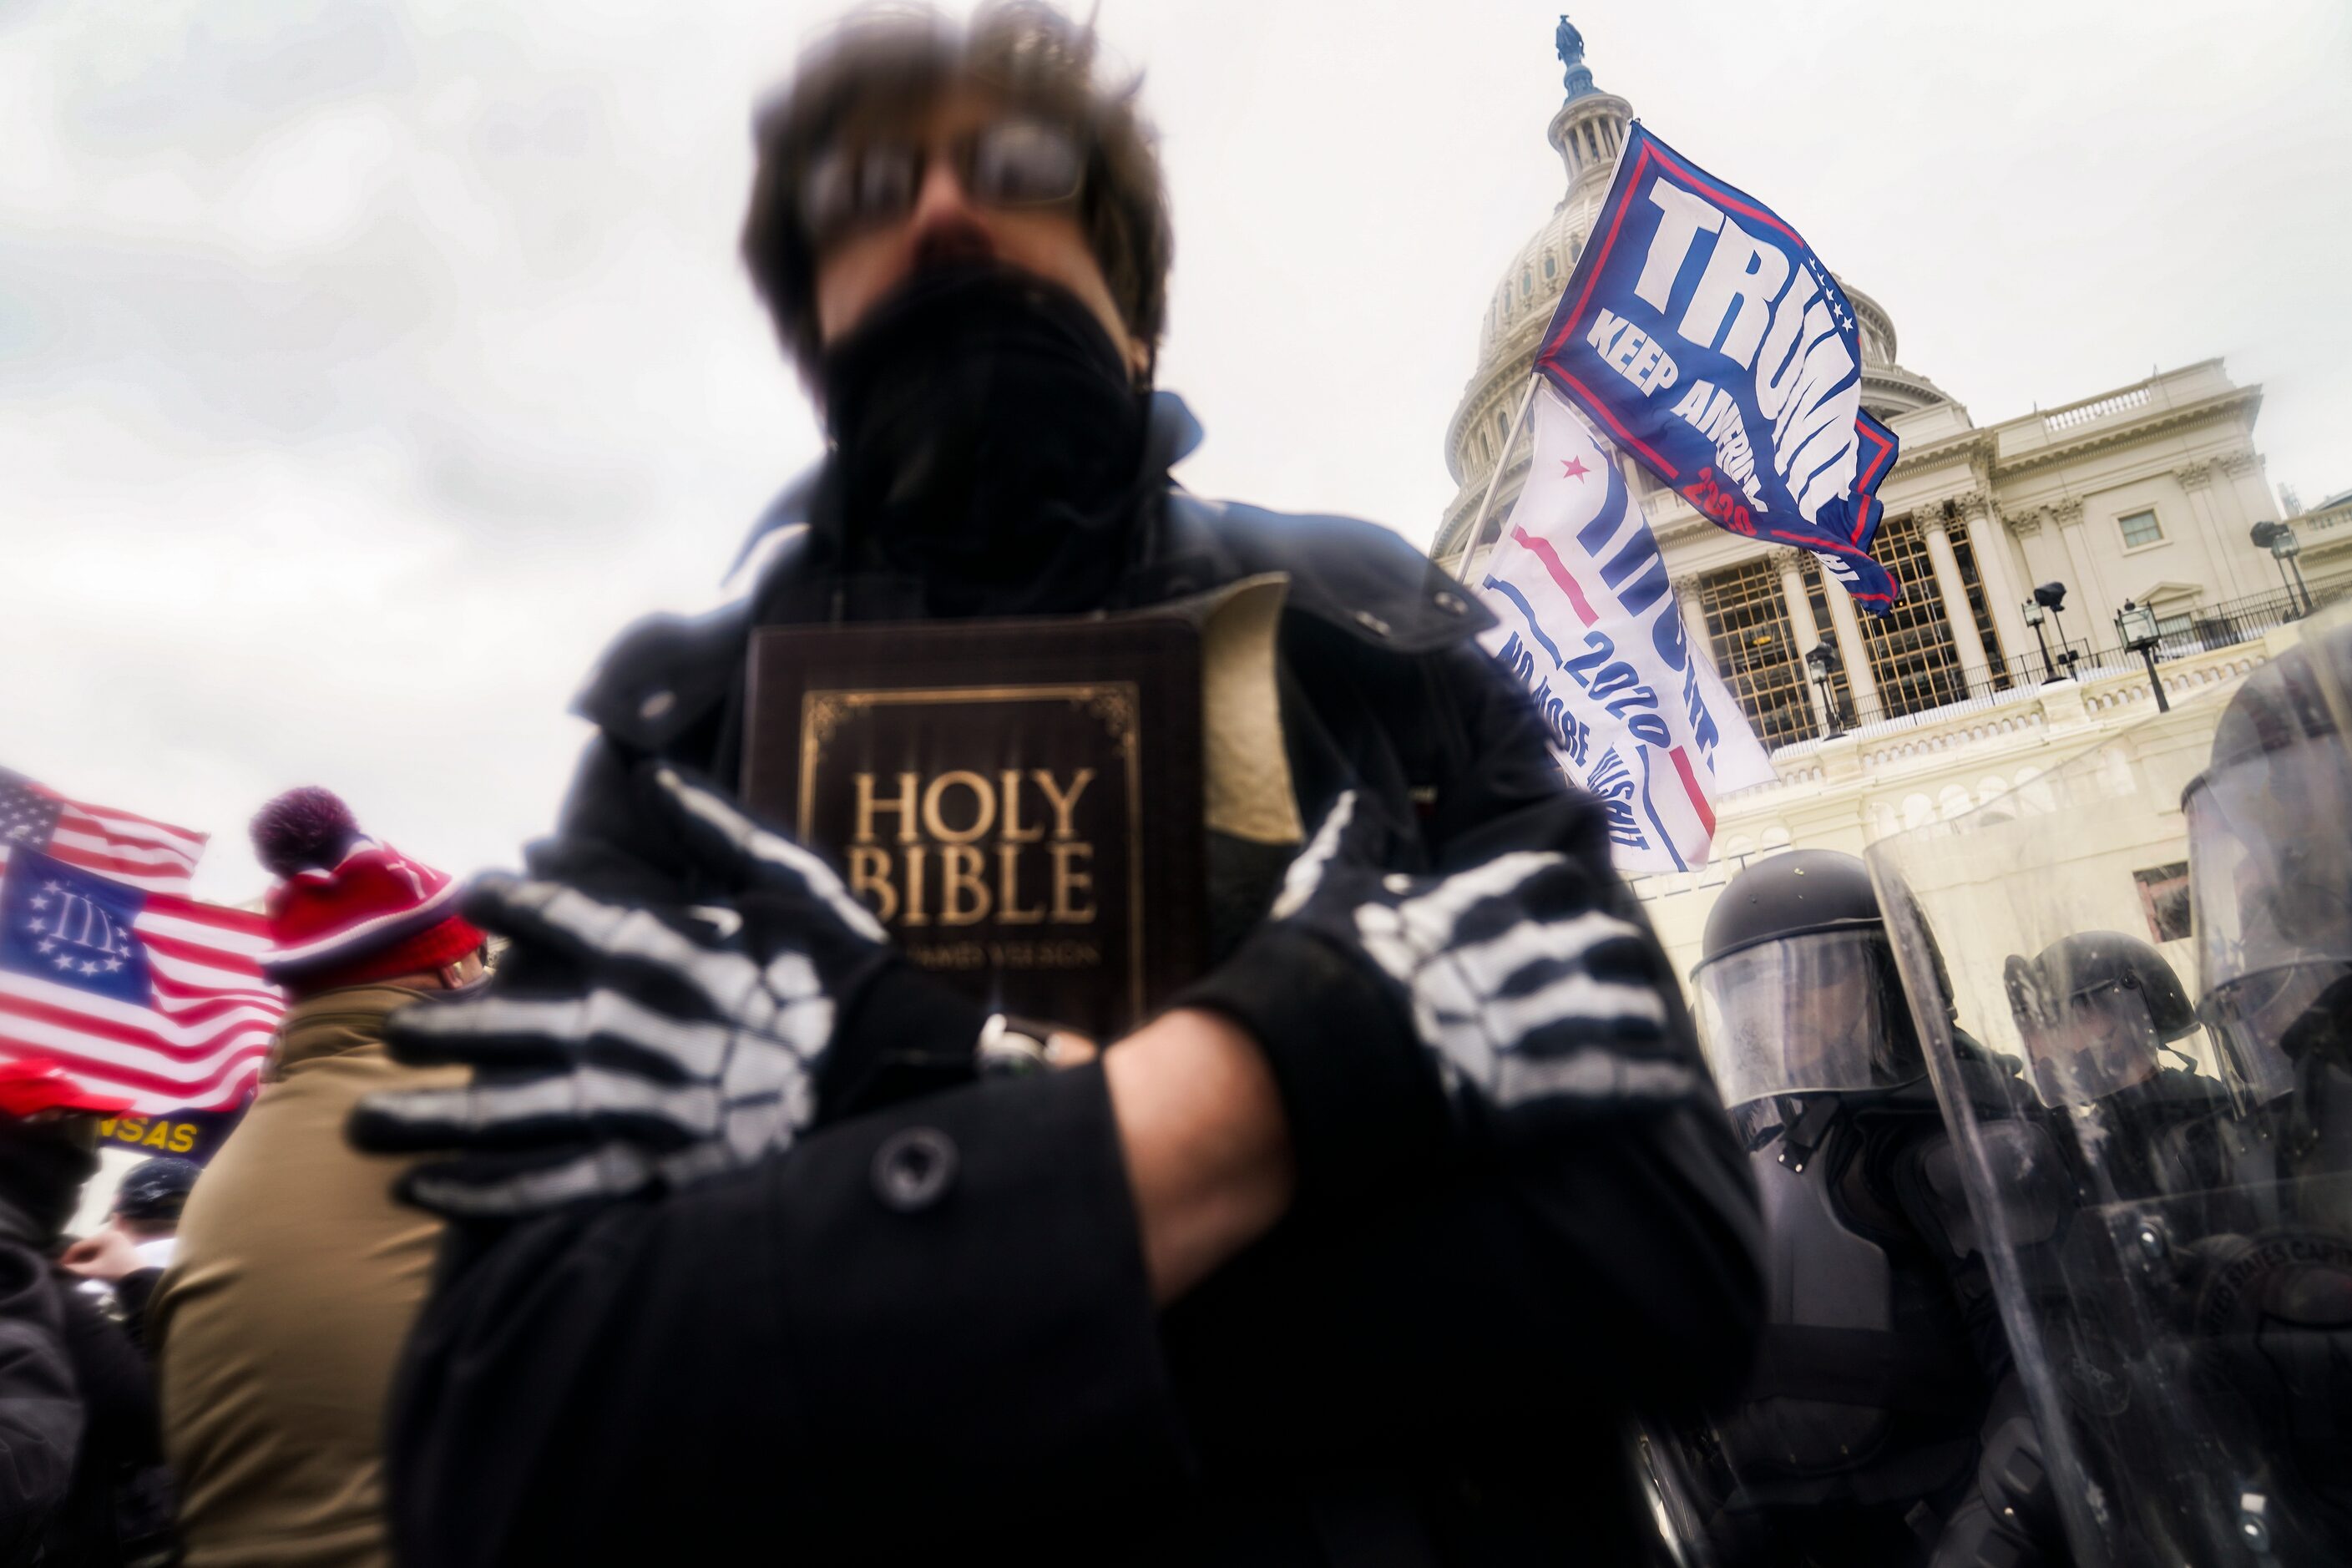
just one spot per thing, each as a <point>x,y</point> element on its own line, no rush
<point>1701,334</point>
<point>1590,627</point>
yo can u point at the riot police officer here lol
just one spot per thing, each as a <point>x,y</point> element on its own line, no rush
<point>1881,1424</point>
<point>2270,878</point>
<point>2270,826</point>
<point>2098,1011</point>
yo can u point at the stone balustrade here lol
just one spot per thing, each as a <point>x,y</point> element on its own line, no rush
<point>1947,760</point>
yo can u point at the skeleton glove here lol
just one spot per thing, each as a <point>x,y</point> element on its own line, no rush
<point>677,1040</point>
<point>1400,1012</point>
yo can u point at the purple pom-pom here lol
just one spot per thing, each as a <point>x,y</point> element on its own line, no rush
<point>303,829</point>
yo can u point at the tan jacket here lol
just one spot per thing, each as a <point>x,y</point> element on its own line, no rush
<point>279,1321</point>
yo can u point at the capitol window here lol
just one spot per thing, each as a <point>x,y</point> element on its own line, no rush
<point>1549,269</point>
<point>1527,283</point>
<point>2139,528</point>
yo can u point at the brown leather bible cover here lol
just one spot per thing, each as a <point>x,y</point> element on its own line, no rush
<point>1019,801</point>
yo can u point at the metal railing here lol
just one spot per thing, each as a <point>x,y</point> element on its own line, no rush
<point>1942,684</point>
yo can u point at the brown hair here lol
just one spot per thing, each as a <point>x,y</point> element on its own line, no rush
<point>881,59</point>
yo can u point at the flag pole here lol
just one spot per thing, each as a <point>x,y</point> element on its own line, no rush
<point>1502,462</point>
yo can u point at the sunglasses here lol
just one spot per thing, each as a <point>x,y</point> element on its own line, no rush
<point>1008,163</point>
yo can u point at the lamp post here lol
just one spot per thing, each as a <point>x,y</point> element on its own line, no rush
<point>1823,660</point>
<point>2034,617</point>
<point>2051,596</point>
<point>2135,630</point>
<point>2280,540</point>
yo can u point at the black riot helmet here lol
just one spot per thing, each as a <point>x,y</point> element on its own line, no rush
<point>1797,991</point>
<point>2270,862</point>
<point>2094,1010</point>
<point>1794,893</point>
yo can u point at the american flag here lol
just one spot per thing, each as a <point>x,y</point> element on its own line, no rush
<point>149,995</point>
<point>146,854</point>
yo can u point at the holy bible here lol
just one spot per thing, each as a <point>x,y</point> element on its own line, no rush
<point>1023,804</point>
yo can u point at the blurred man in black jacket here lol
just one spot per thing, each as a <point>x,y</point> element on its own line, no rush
<point>1362,1252</point>
<point>82,1482</point>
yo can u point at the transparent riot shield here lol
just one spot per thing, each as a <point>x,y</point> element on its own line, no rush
<point>2155,1174</point>
<point>2327,636</point>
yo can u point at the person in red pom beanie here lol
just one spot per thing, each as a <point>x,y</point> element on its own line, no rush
<point>282,1318</point>
<point>350,909</point>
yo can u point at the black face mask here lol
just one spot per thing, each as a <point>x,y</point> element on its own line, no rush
<point>989,443</point>
<point>42,1168</point>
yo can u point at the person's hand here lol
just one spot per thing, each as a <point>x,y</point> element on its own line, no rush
<point>1394,1008</point>
<point>686,1040</point>
<point>109,1256</point>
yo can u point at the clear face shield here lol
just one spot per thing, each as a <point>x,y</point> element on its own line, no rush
<point>2082,1043</point>
<point>2271,888</point>
<point>1804,1014</point>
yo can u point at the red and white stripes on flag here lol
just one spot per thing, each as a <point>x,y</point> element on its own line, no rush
<point>109,970</point>
<point>182,1024</point>
<point>149,855</point>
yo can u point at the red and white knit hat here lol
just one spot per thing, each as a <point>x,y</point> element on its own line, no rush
<point>350,909</point>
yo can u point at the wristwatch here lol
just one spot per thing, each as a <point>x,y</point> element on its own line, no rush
<point>1011,1045</point>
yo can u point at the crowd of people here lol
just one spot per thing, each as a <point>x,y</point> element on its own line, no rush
<point>1427,1226</point>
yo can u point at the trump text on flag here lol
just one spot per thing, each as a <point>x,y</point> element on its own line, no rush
<point>1702,335</point>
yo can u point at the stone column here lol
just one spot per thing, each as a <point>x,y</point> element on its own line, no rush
<point>2040,547</point>
<point>2223,530</point>
<point>1688,599</point>
<point>2197,478</point>
<point>1855,653</point>
<point>2091,618</point>
<point>2241,499</point>
<point>1974,668</point>
<point>1807,630</point>
<point>1989,538</point>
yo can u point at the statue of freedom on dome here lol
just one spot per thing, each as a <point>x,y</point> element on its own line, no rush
<point>1570,44</point>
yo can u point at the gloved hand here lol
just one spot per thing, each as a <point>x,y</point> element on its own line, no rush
<point>682,1040</point>
<point>1400,1011</point>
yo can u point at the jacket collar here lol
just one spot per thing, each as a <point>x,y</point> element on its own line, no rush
<point>668,673</point>
<point>331,1023</point>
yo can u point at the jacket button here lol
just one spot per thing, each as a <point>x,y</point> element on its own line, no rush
<point>654,707</point>
<point>1452,604</point>
<point>1371,622</point>
<point>914,1169</point>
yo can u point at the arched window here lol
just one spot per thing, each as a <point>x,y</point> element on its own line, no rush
<point>1526,282</point>
<point>1550,269</point>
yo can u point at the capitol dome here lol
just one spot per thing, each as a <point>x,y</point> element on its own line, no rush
<point>1587,131</point>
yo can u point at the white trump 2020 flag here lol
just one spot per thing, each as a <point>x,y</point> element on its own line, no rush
<point>1590,627</point>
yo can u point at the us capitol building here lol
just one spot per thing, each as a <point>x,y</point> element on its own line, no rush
<point>2148,493</point>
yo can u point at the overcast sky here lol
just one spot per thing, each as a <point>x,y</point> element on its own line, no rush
<point>366,364</point>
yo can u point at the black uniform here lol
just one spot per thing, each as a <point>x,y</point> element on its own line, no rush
<point>1883,1382</point>
<point>2267,1296</point>
<point>826,1359</point>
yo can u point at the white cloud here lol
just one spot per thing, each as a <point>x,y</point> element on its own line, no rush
<point>308,187</point>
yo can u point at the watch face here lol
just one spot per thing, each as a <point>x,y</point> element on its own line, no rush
<point>1006,1046</point>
